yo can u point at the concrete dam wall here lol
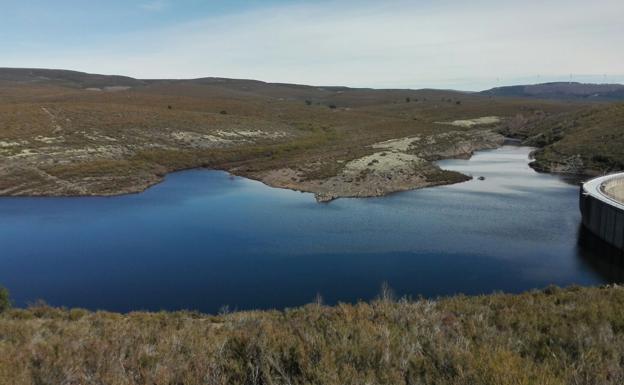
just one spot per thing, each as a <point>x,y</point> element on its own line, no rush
<point>602,208</point>
<point>615,189</point>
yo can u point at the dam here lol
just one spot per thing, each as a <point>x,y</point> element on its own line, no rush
<point>602,208</point>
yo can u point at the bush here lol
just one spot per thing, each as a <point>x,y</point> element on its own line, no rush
<point>570,336</point>
<point>5,302</point>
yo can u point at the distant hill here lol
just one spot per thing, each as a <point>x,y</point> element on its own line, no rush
<point>82,80</point>
<point>66,78</point>
<point>561,90</point>
<point>215,87</point>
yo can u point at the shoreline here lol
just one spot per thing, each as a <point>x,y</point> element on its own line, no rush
<point>574,178</point>
<point>397,165</point>
<point>415,172</point>
<point>370,190</point>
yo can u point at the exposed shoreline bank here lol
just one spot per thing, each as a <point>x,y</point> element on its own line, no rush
<point>392,166</point>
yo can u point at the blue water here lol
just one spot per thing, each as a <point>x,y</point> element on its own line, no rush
<point>204,240</point>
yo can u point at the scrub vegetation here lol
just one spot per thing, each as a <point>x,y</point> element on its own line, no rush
<point>67,133</point>
<point>553,336</point>
<point>5,302</point>
<point>589,141</point>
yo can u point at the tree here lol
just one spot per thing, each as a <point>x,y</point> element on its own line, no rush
<point>5,302</point>
<point>407,100</point>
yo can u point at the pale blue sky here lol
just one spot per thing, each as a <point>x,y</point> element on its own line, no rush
<point>443,44</point>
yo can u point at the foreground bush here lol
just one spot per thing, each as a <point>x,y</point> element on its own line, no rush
<point>5,302</point>
<point>555,336</point>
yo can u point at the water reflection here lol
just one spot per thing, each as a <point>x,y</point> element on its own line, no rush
<point>202,240</point>
<point>603,258</point>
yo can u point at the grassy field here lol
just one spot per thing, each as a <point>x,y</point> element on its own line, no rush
<point>554,336</point>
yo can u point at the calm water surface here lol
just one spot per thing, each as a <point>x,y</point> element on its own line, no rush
<point>202,240</point>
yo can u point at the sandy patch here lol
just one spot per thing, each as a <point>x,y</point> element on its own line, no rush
<point>4,144</point>
<point>97,137</point>
<point>200,140</point>
<point>383,162</point>
<point>106,151</point>
<point>261,134</point>
<point>402,144</point>
<point>223,138</point>
<point>116,88</point>
<point>226,133</point>
<point>49,139</point>
<point>467,123</point>
<point>24,153</point>
<point>252,134</point>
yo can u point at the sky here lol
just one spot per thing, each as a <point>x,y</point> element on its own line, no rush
<point>466,45</point>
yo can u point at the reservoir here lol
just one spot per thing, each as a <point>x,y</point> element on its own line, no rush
<point>204,240</point>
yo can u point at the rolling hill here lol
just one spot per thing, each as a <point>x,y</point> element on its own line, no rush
<point>72,133</point>
<point>561,91</point>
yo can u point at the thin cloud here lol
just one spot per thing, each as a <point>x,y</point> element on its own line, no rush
<point>440,44</point>
<point>154,6</point>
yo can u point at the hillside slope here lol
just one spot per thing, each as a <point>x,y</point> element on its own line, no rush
<point>72,133</point>
<point>69,133</point>
<point>587,142</point>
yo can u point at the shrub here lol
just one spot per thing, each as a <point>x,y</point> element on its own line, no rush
<point>5,301</point>
<point>570,336</point>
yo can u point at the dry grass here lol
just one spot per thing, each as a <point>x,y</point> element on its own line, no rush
<point>555,336</point>
<point>589,141</point>
<point>116,142</point>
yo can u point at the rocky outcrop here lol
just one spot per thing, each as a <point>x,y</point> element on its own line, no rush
<point>458,144</point>
<point>394,165</point>
<point>569,165</point>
